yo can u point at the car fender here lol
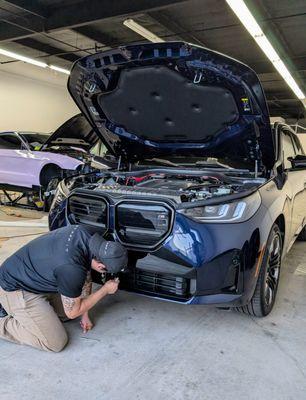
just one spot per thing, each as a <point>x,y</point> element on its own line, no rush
<point>62,161</point>
<point>23,167</point>
<point>279,202</point>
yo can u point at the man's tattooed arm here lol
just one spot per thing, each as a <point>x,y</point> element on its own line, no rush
<point>86,291</point>
<point>71,306</point>
<point>68,304</point>
<point>75,307</point>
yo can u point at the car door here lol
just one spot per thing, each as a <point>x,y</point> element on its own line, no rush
<point>13,160</point>
<point>300,152</point>
<point>295,184</point>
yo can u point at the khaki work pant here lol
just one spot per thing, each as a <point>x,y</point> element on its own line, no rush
<point>33,319</point>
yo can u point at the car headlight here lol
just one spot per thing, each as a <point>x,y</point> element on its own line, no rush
<point>236,211</point>
<point>61,194</point>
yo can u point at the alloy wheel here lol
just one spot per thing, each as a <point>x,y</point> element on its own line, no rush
<point>273,270</point>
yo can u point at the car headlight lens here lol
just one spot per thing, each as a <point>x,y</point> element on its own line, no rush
<point>236,211</point>
<point>61,194</point>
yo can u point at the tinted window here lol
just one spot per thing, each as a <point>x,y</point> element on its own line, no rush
<point>9,141</point>
<point>288,149</point>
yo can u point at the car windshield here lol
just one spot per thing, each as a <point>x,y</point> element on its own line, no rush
<point>35,140</point>
<point>204,163</point>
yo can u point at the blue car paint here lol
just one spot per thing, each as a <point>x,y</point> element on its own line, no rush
<point>199,245</point>
<point>57,216</point>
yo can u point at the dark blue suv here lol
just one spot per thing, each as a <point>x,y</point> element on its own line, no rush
<point>206,195</point>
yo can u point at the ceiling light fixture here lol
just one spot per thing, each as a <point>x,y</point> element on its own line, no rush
<point>134,26</point>
<point>59,69</point>
<point>250,23</point>
<point>23,58</point>
<point>29,60</point>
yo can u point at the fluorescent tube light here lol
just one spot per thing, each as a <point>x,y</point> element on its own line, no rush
<point>134,26</point>
<point>23,58</point>
<point>59,69</point>
<point>29,60</point>
<point>249,22</point>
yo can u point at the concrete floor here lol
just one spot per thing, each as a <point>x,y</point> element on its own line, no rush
<point>147,349</point>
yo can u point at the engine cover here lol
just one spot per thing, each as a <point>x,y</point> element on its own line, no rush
<point>143,191</point>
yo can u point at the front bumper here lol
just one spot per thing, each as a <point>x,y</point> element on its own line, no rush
<point>197,263</point>
<point>217,282</point>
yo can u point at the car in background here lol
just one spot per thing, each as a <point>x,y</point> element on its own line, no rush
<point>208,197</point>
<point>77,139</point>
<point>24,166</point>
<point>30,161</point>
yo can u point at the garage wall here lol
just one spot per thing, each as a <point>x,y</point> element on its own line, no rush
<point>34,104</point>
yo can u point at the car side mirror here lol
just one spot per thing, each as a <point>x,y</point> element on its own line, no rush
<point>298,162</point>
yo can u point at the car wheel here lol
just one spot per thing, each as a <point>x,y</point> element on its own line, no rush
<point>264,296</point>
<point>49,193</point>
<point>302,235</point>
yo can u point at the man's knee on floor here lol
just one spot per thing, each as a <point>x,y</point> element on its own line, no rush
<point>58,343</point>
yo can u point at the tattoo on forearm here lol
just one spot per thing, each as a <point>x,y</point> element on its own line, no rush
<point>68,303</point>
<point>87,286</point>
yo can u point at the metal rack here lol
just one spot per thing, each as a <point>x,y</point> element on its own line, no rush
<point>28,199</point>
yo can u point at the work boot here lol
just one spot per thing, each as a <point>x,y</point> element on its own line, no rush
<point>3,313</point>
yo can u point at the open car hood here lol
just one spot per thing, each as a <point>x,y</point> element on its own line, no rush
<point>174,99</point>
<point>75,132</point>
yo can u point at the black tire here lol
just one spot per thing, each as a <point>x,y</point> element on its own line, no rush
<point>264,296</point>
<point>50,175</point>
<point>50,171</point>
<point>302,235</point>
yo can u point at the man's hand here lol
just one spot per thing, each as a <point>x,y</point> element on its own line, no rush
<point>86,323</point>
<point>111,286</point>
<point>75,307</point>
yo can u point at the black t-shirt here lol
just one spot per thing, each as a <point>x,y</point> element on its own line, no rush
<point>55,262</point>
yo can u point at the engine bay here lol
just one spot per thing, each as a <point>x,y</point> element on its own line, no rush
<point>180,186</point>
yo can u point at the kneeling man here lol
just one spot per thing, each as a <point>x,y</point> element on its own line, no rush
<point>50,278</point>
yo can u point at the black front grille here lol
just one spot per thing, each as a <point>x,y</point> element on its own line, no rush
<point>87,210</point>
<point>161,285</point>
<point>142,224</point>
